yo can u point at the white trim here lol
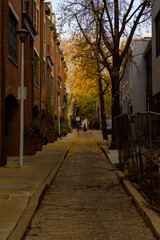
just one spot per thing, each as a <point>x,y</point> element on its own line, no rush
<point>14,12</point>
<point>36,51</point>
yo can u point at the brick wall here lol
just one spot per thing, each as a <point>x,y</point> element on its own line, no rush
<point>12,126</point>
<point>55,82</point>
<point>12,82</point>
<point>28,81</point>
<point>13,75</point>
<point>62,84</point>
<point>12,71</point>
<point>0,74</point>
<point>43,60</point>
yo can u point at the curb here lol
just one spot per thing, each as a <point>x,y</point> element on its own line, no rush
<point>149,216</point>
<point>24,221</point>
<point>102,149</point>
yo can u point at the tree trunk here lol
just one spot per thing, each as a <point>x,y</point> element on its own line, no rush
<point>103,117</point>
<point>115,74</point>
<point>115,108</point>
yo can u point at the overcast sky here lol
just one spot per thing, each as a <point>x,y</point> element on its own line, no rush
<point>55,5</point>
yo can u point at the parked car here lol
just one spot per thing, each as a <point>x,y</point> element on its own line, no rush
<point>109,126</point>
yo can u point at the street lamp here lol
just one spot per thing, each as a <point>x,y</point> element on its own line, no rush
<point>59,111</point>
<point>22,35</point>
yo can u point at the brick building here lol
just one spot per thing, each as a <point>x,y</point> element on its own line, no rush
<point>43,60</point>
<point>15,16</point>
<point>56,66</point>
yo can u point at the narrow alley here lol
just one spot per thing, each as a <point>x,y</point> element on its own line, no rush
<point>85,201</point>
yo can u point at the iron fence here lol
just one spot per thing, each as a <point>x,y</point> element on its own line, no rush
<point>138,140</point>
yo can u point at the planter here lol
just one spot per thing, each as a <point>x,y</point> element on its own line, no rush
<point>51,137</point>
<point>29,145</point>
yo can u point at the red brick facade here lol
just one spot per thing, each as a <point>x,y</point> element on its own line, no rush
<point>12,81</point>
<point>1,76</point>
<point>42,41</point>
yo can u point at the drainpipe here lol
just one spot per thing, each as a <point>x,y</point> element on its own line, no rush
<point>22,106</point>
<point>3,155</point>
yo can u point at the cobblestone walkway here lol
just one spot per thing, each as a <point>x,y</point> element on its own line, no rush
<point>86,201</point>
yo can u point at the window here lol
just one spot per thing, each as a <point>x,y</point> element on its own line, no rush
<point>51,86</point>
<point>34,13</point>
<point>158,35</point>
<point>24,5</point>
<point>12,40</point>
<point>35,68</point>
<point>37,20</point>
<point>43,80</point>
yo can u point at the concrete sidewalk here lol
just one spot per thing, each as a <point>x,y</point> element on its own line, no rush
<point>151,218</point>
<point>111,154</point>
<point>21,188</point>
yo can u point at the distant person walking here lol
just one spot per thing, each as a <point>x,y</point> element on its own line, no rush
<point>84,128</point>
<point>85,125</point>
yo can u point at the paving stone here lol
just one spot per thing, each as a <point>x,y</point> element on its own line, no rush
<point>86,201</point>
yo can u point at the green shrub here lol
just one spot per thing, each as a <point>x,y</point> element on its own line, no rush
<point>64,129</point>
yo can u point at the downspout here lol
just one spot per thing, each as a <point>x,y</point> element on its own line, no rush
<point>3,155</point>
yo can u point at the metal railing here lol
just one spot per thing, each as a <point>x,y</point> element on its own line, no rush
<point>138,140</point>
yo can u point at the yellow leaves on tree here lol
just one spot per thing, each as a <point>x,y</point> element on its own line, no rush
<point>82,69</point>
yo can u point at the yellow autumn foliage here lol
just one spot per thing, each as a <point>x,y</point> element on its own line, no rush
<point>82,69</point>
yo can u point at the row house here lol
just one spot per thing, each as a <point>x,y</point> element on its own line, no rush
<point>133,86</point>
<point>56,68</point>
<point>44,72</point>
<point>15,15</point>
<point>148,59</point>
<point>151,57</point>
